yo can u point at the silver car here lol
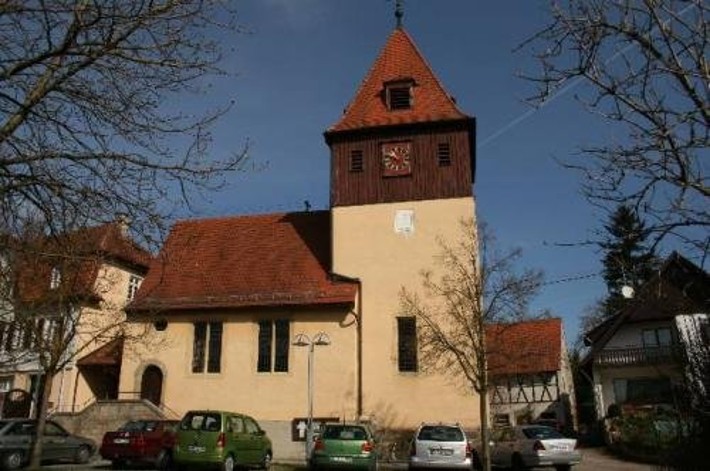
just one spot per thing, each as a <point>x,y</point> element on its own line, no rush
<point>526,446</point>
<point>440,446</point>
<point>57,443</point>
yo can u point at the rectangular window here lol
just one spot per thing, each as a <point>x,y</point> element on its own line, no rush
<point>55,278</point>
<point>399,97</point>
<point>215,347</point>
<point>207,347</point>
<point>264,360</point>
<point>134,282</point>
<point>443,154</point>
<point>282,343</point>
<point>657,337</point>
<point>5,383</point>
<point>198,347</point>
<point>274,342</point>
<point>356,161</point>
<point>407,343</point>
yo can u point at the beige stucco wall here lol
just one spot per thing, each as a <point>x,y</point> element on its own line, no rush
<point>238,386</point>
<point>70,390</point>
<point>366,246</point>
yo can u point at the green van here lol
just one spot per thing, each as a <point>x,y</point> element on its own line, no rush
<point>219,439</point>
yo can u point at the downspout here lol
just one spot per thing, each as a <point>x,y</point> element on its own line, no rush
<point>358,340</point>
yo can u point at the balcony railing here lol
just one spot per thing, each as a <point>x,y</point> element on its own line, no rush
<point>637,356</point>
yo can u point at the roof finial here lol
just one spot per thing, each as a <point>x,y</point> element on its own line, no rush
<point>399,11</point>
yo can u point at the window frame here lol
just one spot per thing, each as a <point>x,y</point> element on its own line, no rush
<point>207,347</point>
<point>55,278</point>
<point>407,345</point>
<point>655,331</point>
<point>443,154</point>
<point>395,95</point>
<point>134,283</point>
<point>356,163</point>
<point>273,345</point>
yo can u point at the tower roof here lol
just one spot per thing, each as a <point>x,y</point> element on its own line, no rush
<point>399,61</point>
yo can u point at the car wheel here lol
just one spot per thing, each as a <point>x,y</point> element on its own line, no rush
<point>116,464</point>
<point>82,455</point>
<point>518,464</point>
<point>164,460</point>
<point>266,462</point>
<point>228,464</point>
<point>563,467</point>
<point>13,460</point>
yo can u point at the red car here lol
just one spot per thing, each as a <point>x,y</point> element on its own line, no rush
<point>140,441</point>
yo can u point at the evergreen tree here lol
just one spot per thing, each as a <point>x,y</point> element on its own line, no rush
<point>627,260</point>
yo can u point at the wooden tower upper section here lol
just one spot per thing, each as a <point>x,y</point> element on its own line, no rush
<point>402,138</point>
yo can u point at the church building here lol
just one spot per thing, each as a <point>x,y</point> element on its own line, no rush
<point>240,305</point>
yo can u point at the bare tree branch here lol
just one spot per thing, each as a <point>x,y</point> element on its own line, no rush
<point>645,66</point>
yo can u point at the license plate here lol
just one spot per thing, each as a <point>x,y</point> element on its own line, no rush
<point>442,451</point>
<point>196,449</point>
<point>121,441</point>
<point>559,447</point>
<point>341,459</point>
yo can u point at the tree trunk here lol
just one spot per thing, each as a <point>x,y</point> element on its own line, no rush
<point>42,406</point>
<point>485,430</point>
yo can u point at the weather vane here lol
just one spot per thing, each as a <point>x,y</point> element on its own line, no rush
<point>399,11</point>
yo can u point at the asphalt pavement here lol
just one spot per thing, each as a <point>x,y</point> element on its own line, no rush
<point>593,459</point>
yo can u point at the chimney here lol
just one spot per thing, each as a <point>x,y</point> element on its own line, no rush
<point>123,221</point>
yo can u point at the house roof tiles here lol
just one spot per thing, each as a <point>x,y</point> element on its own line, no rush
<point>234,262</point>
<point>524,347</point>
<point>399,60</point>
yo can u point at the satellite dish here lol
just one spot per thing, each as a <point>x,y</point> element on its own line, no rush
<point>627,292</point>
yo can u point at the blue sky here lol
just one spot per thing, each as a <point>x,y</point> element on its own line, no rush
<point>300,63</point>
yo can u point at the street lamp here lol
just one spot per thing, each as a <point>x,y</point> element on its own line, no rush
<point>303,340</point>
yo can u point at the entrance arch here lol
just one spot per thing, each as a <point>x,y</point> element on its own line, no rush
<point>152,384</point>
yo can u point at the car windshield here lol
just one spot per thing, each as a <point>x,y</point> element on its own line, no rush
<point>541,433</point>
<point>139,426</point>
<point>201,421</point>
<point>440,433</point>
<point>344,432</point>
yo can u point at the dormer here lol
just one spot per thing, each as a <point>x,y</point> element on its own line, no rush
<point>399,94</point>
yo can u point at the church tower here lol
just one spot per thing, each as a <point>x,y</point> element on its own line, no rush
<point>402,170</point>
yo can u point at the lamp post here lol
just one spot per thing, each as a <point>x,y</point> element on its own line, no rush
<point>303,340</point>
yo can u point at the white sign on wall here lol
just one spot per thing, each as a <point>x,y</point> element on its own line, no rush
<point>404,221</point>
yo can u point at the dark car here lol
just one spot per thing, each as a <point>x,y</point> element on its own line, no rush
<point>57,444</point>
<point>344,446</point>
<point>140,442</point>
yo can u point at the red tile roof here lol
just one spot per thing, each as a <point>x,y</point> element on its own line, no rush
<point>266,260</point>
<point>400,59</point>
<point>524,347</point>
<point>78,255</point>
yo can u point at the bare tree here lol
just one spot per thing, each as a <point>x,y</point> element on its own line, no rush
<point>472,286</point>
<point>65,300</point>
<point>90,119</point>
<point>641,64</point>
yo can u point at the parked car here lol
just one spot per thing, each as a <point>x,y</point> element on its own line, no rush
<point>344,446</point>
<point>57,444</point>
<point>142,442</point>
<point>526,446</point>
<point>441,446</point>
<point>225,440</point>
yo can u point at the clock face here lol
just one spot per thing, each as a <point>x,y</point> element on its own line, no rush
<point>396,158</point>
